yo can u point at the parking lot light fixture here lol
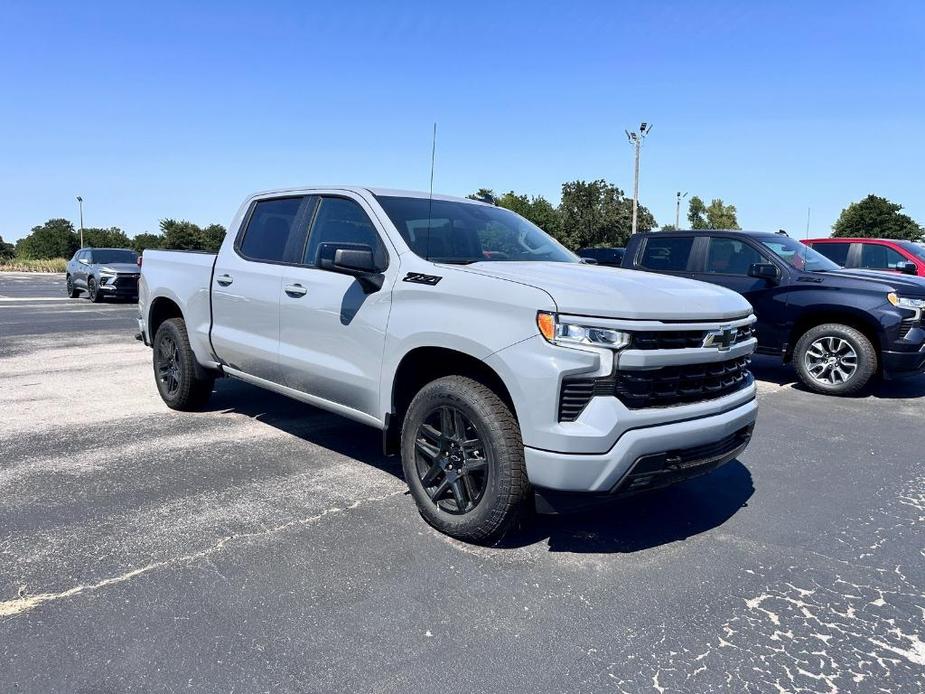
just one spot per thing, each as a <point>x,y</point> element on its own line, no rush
<point>80,207</point>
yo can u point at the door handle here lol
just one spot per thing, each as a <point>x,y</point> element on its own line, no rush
<point>295,290</point>
<point>224,280</point>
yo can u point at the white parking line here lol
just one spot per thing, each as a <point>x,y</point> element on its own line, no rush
<point>9,299</point>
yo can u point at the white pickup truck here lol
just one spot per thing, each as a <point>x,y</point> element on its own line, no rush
<point>507,373</point>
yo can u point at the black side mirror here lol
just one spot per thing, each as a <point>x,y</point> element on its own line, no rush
<point>907,268</point>
<point>764,271</point>
<point>355,259</point>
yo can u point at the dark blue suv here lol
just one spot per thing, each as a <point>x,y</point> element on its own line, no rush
<point>838,327</point>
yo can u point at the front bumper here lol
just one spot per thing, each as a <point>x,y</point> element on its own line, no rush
<point>612,471</point>
<point>902,364</point>
<point>120,285</point>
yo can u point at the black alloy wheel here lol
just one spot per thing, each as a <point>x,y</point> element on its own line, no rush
<point>451,460</point>
<point>168,365</point>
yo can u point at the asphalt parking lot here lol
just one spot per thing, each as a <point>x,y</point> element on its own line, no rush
<point>264,545</point>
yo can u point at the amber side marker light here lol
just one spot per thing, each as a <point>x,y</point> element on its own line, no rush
<point>546,322</point>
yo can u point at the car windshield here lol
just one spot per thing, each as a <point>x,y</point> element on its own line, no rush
<point>799,255</point>
<point>916,249</point>
<point>106,256</point>
<point>457,232</point>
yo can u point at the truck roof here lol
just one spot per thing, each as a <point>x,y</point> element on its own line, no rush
<point>379,192</point>
<point>730,232</point>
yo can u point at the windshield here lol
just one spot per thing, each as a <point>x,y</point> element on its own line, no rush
<point>457,232</point>
<point>799,255</point>
<point>916,249</point>
<point>105,257</point>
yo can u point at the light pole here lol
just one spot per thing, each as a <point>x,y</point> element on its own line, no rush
<point>80,206</point>
<point>677,210</point>
<point>635,139</point>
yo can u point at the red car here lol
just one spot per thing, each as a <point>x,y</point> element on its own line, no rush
<point>873,254</point>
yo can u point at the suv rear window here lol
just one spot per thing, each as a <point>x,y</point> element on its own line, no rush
<point>666,254</point>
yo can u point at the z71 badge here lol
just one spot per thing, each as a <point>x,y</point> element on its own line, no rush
<point>418,278</point>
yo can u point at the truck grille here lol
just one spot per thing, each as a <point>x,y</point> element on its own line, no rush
<point>680,339</point>
<point>665,387</point>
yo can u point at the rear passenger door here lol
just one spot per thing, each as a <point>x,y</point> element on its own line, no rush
<point>726,261</point>
<point>246,284</point>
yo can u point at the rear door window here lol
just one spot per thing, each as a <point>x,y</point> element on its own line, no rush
<point>836,252</point>
<point>276,230</point>
<point>666,254</point>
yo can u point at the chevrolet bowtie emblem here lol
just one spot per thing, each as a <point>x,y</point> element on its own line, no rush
<point>722,339</point>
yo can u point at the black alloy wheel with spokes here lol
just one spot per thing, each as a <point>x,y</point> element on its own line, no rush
<point>463,459</point>
<point>72,291</point>
<point>451,460</point>
<point>168,365</point>
<point>182,383</point>
<point>835,359</point>
<point>93,290</point>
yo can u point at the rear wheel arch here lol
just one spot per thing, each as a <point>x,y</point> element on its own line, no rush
<point>162,309</point>
<point>422,365</point>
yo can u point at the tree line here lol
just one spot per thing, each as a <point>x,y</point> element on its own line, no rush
<point>57,238</point>
<point>589,214</point>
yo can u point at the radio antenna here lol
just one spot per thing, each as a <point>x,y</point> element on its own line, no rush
<point>430,202</point>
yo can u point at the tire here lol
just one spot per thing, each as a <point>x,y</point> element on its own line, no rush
<point>176,373</point>
<point>825,353</point>
<point>72,291</point>
<point>93,291</point>
<point>490,474</point>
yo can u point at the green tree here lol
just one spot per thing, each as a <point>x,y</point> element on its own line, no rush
<point>55,238</point>
<point>876,217</point>
<point>146,240</point>
<point>483,194</point>
<point>716,215</point>
<point>180,235</point>
<point>596,213</point>
<point>211,237</point>
<point>113,237</point>
<point>6,249</point>
<point>537,209</point>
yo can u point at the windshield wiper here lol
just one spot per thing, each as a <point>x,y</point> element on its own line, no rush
<point>458,261</point>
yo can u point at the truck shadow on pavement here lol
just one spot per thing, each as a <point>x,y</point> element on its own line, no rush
<point>626,525</point>
<point>772,370</point>
<point>648,520</point>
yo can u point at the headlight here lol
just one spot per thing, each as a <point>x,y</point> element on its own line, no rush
<point>107,273</point>
<point>905,302</point>
<point>575,334</point>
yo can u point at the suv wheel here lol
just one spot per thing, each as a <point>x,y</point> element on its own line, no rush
<point>93,291</point>
<point>72,291</point>
<point>835,359</point>
<point>175,370</point>
<point>463,459</point>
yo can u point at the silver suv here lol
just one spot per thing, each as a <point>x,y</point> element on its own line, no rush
<point>502,368</point>
<point>103,272</point>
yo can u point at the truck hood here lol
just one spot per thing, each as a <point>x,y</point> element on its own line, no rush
<point>907,285</point>
<point>594,290</point>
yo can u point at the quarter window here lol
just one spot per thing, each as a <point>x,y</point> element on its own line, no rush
<point>340,220</point>
<point>274,230</point>
<point>877,257</point>
<point>667,254</point>
<point>836,252</point>
<point>731,257</point>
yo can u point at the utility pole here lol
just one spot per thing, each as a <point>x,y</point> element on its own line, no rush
<point>80,206</point>
<point>808,212</point>
<point>635,139</point>
<point>677,210</point>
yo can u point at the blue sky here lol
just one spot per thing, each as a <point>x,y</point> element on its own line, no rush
<point>181,109</point>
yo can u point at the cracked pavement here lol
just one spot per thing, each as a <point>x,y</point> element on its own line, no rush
<point>264,545</point>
